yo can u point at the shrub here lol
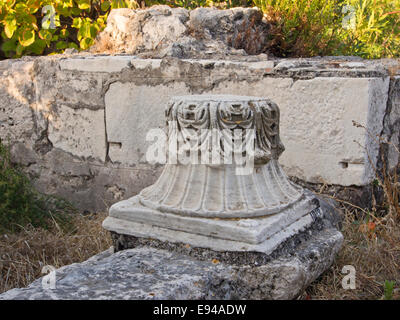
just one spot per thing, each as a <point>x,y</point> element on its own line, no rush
<point>366,28</point>
<point>376,29</point>
<point>300,27</point>
<point>21,205</point>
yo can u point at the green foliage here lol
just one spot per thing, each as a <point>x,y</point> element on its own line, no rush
<point>376,31</point>
<point>367,28</point>
<point>300,27</point>
<point>388,289</point>
<point>21,205</point>
<point>43,26</point>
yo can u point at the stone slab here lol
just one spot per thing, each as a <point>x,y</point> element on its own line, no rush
<point>17,102</point>
<point>249,230</point>
<point>80,132</point>
<point>154,269</point>
<point>96,64</point>
<point>127,118</point>
<point>199,241</point>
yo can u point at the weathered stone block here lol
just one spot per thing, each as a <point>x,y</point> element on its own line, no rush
<point>79,90</point>
<point>78,131</point>
<point>96,63</point>
<point>17,97</point>
<point>127,121</point>
<point>316,118</point>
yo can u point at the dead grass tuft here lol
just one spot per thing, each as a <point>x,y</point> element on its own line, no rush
<point>23,255</point>
<point>371,245</point>
<point>103,44</point>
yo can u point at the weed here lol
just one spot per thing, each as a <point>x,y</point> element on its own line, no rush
<point>22,205</point>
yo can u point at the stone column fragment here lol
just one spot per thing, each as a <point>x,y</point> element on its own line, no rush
<point>222,187</point>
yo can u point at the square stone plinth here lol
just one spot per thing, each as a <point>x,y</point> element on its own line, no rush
<point>261,234</point>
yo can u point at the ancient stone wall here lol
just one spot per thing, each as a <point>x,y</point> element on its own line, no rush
<point>78,123</point>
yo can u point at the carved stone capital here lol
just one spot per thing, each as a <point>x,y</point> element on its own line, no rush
<point>207,123</point>
<point>205,190</point>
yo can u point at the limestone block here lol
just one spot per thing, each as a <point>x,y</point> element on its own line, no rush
<point>16,101</point>
<point>131,110</point>
<point>80,132</point>
<point>392,124</point>
<point>317,118</point>
<point>79,89</point>
<point>88,185</point>
<point>163,28</point>
<point>145,63</point>
<point>95,63</point>
<point>132,31</point>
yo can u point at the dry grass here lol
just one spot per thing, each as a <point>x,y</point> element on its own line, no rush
<point>23,255</point>
<point>371,245</point>
<point>373,248</point>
